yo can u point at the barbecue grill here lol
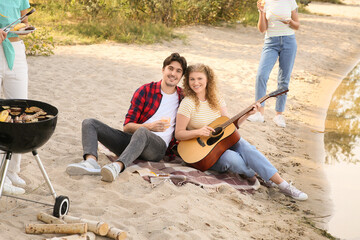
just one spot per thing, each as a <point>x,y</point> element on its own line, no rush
<point>28,137</point>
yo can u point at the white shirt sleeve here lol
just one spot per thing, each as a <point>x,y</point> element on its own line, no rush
<point>293,5</point>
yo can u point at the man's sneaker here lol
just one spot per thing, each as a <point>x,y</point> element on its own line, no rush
<point>257,117</point>
<point>84,168</point>
<point>279,120</point>
<point>15,179</point>
<point>12,190</point>
<point>293,192</point>
<point>109,172</point>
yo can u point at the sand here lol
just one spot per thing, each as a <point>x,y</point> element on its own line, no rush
<point>97,81</point>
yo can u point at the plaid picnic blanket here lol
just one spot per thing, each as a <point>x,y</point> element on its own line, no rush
<point>178,173</point>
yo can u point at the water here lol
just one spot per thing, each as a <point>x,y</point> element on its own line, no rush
<point>342,161</point>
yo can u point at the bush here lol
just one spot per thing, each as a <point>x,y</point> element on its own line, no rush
<point>180,12</point>
<point>39,43</point>
<point>140,21</point>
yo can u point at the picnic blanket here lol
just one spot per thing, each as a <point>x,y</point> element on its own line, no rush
<point>178,173</point>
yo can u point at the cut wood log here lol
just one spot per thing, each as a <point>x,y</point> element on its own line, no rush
<point>70,237</point>
<point>99,228</point>
<point>56,228</point>
<point>90,236</point>
<point>116,234</point>
<point>46,218</point>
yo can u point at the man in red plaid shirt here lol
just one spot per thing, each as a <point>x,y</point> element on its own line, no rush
<point>148,129</point>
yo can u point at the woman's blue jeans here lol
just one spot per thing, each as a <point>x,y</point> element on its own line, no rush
<point>282,48</point>
<point>244,158</point>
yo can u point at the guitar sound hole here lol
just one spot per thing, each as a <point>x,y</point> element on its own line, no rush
<point>213,140</point>
<point>218,130</point>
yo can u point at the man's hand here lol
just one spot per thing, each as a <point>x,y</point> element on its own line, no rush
<point>2,35</point>
<point>159,126</point>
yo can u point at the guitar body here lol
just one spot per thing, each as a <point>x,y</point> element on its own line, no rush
<point>203,152</point>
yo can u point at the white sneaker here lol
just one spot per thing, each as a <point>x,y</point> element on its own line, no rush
<point>83,168</point>
<point>257,117</point>
<point>279,120</point>
<point>7,180</point>
<point>16,180</point>
<point>109,172</point>
<point>295,193</point>
<point>12,190</point>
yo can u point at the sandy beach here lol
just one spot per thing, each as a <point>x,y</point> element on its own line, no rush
<point>97,81</point>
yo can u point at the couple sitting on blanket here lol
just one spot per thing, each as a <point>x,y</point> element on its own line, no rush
<point>150,124</point>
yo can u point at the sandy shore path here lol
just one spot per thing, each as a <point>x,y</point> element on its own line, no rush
<point>98,81</point>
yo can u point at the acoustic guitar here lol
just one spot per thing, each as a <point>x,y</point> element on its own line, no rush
<point>203,152</point>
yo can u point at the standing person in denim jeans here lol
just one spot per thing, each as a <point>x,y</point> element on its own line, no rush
<point>279,19</point>
<point>148,129</point>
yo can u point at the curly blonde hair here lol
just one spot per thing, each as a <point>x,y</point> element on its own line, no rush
<point>211,88</point>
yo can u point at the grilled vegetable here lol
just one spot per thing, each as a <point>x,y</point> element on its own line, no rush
<point>3,115</point>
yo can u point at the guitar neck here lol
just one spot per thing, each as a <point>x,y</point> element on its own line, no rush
<point>245,111</point>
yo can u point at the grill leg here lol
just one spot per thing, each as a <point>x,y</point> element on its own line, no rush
<point>42,169</point>
<point>3,170</point>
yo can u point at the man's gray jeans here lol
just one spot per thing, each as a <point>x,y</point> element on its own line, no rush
<point>142,144</point>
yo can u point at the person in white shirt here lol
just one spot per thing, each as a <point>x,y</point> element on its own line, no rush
<point>278,19</point>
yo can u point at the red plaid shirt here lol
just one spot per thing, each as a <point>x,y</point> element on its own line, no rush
<point>145,102</point>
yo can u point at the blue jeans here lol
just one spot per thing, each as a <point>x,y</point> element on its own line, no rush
<point>244,158</point>
<point>284,48</point>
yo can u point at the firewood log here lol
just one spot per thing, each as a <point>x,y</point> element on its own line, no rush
<point>46,218</point>
<point>56,228</point>
<point>116,234</point>
<point>99,228</point>
<point>90,236</point>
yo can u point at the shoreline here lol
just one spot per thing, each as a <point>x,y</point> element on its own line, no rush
<point>315,139</point>
<point>97,81</point>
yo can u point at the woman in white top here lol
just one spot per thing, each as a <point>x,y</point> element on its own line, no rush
<point>278,19</point>
<point>201,106</point>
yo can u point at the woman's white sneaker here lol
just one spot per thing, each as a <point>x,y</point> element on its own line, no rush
<point>257,117</point>
<point>12,190</point>
<point>16,180</point>
<point>279,120</point>
<point>293,192</point>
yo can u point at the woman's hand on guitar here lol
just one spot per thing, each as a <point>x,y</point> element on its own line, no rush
<point>256,108</point>
<point>205,131</point>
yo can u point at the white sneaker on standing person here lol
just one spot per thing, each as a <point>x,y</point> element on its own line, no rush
<point>10,189</point>
<point>279,120</point>
<point>257,117</point>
